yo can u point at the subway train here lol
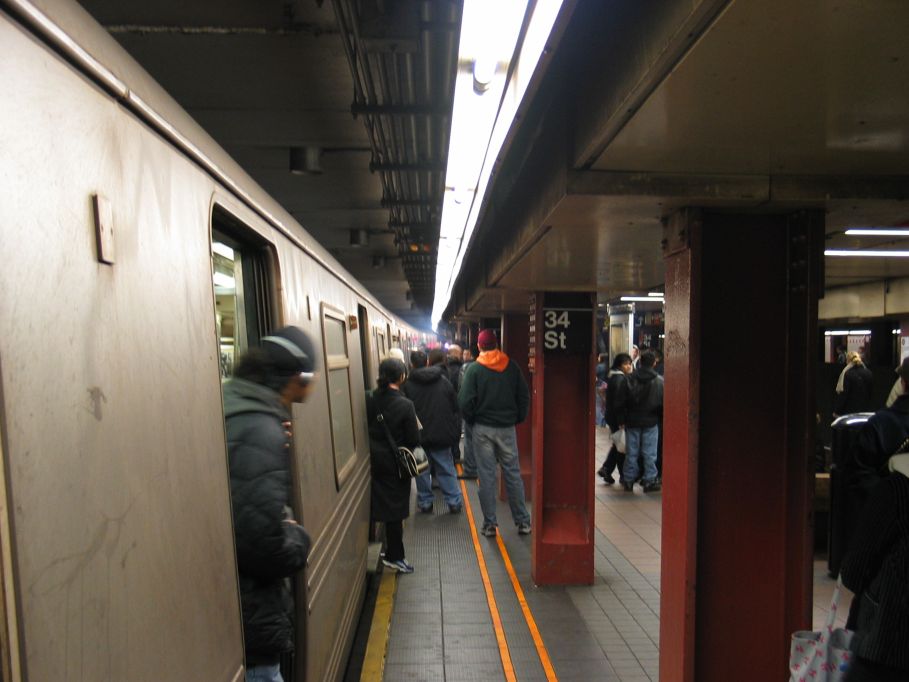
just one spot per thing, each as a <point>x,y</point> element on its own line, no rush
<point>138,261</point>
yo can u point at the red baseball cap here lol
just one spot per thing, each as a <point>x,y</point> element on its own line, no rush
<point>487,339</point>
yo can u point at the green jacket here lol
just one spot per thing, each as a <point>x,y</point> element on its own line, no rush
<point>495,396</point>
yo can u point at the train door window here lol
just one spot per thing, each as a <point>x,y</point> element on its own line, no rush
<point>337,365</point>
<point>363,326</point>
<point>243,301</point>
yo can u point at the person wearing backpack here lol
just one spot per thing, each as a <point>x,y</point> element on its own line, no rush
<point>643,400</point>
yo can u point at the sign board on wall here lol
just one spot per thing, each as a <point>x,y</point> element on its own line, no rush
<point>567,323</point>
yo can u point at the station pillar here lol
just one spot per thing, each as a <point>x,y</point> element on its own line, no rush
<point>562,360</point>
<point>515,343</point>
<point>739,420</point>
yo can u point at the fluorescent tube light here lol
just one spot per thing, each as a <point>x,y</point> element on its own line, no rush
<point>225,281</point>
<point>866,254</point>
<point>222,250</point>
<point>651,299</point>
<point>656,294</point>
<point>848,332</point>
<point>878,232</point>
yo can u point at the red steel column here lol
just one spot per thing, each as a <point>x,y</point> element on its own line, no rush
<point>563,363</point>
<point>741,302</point>
<point>515,343</point>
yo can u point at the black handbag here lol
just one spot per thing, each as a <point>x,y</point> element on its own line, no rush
<point>411,463</point>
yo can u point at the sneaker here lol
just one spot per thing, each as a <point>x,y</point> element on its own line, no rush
<point>401,565</point>
<point>608,480</point>
<point>523,529</point>
<point>489,530</point>
<point>424,510</point>
<point>455,508</point>
<point>652,487</point>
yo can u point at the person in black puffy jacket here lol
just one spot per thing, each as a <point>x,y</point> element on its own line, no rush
<point>271,545</point>
<point>436,404</point>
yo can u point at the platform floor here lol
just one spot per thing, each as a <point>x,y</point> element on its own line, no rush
<point>442,627</point>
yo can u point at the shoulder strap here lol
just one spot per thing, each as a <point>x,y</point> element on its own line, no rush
<point>391,441</point>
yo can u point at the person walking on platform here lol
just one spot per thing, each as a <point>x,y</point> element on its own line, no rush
<point>470,462</point>
<point>643,395</point>
<point>621,368</point>
<point>390,494</point>
<point>436,404</point>
<point>854,387</point>
<point>453,366</point>
<point>271,546</point>
<point>876,569</point>
<point>494,397</point>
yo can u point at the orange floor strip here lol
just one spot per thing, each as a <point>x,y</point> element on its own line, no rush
<point>504,653</point>
<point>528,616</point>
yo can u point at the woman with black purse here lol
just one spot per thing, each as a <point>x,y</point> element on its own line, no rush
<point>390,498</point>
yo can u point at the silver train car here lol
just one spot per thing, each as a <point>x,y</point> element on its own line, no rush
<point>138,261</point>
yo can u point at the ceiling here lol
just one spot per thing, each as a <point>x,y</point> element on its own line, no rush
<point>267,76</point>
<point>767,106</point>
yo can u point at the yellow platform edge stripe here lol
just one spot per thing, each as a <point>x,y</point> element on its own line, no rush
<point>504,653</point>
<point>374,660</point>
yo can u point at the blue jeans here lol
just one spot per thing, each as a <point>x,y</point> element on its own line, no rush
<point>264,673</point>
<point>470,460</point>
<point>446,476</point>
<point>643,442</point>
<point>492,445</point>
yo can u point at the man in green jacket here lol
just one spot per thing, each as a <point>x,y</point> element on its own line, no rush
<point>493,397</point>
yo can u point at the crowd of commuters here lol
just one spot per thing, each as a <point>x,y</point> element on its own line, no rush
<point>443,395</point>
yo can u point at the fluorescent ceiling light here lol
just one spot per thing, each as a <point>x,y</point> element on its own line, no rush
<point>488,52</point>
<point>224,281</point>
<point>866,253</point>
<point>848,332</point>
<point>878,232</point>
<point>222,250</point>
<point>656,294</point>
<point>648,298</point>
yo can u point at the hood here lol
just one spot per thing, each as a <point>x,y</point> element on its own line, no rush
<point>616,372</point>
<point>495,360</point>
<point>241,396</point>
<point>900,464</point>
<point>426,375</point>
<point>645,374</point>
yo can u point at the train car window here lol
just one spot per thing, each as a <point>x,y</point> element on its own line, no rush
<point>337,366</point>
<point>244,305</point>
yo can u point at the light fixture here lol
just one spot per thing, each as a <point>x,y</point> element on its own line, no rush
<point>847,332</point>
<point>878,232</point>
<point>867,254</point>
<point>224,281</point>
<point>222,250</point>
<point>306,160</point>
<point>359,238</point>
<point>484,70</point>
<point>656,294</point>
<point>897,332</point>
<point>650,299</point>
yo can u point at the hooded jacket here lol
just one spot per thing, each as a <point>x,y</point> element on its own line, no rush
<point>269,549</point>
<point>493,391</point>
<point>876,569</point>
<point>437,406</point>
<point>642,406</point>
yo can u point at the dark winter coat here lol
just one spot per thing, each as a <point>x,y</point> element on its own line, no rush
<point>436,404</point>
<point>454,373</point>
<point>269,549</point>
<point>642,398</point>
<point>877,571</point>
<point>880,438</point>
<point>494,395</point>
<point>857,392</point>
<point>615,416</point>
<point>390,498</point>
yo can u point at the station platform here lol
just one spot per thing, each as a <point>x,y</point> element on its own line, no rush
<point>470,610</point>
